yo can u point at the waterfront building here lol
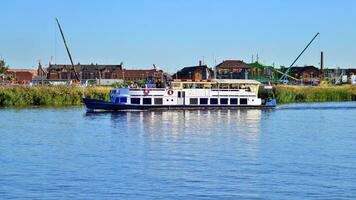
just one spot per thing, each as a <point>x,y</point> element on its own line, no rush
<point>200,72</point>
<point>152,75</point>
<point>87,72</point>
<point>306,72</point>
<point>21,76</point>
<point>232,69</point>
<point>64,72</point>
<point>262,73</point>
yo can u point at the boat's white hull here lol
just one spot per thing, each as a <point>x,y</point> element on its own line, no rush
<point>96,105</point>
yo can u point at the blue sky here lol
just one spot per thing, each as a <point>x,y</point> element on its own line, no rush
<point>173,34</point>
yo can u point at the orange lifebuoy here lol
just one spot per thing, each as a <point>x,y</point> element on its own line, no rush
<point>147,91</point>
<point>170,92</point>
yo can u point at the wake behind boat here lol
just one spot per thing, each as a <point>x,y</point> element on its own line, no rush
<point>185,94</point>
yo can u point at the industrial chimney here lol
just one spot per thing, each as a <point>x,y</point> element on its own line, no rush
<point>321,65</point>
<point>321,61</point>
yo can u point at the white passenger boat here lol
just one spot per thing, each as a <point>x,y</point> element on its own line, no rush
<point>186,94</point>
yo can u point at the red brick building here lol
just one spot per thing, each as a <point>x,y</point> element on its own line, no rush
<point>22,75</point>
<point>232,69</point>
<point>95,71</point>
<point>306,72</point>
<point>85,72</point>
<point>201,72</point>
<point>139,74</point>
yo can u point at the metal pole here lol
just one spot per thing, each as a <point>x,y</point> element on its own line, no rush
<point>70,56</point>
<point>284,76</point>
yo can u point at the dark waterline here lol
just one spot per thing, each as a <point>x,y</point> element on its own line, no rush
<point>297,151</point>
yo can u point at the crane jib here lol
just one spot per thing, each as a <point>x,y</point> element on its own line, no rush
<point>285,73</point>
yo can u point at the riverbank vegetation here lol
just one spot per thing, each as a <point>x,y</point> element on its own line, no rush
<point>63,96</point>
<point>49,95</point>
<point>291,94</point>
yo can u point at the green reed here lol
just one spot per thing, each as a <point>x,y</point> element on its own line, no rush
<point>290,94</point>
<point>49,95</point>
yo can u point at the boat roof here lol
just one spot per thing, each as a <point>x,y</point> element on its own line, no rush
<point>226,81</point>
<point>237,81</point>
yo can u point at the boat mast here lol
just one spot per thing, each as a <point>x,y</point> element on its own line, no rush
<point>69,55</point>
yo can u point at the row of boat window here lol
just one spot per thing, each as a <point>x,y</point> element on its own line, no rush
<point>211,86</point>
<point>215,101</point>
<point>192,101</point>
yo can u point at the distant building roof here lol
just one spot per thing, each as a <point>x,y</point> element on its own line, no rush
<point>298,70</point>
<point>185,72</point>
<point>192,68</point>
<point>227,64</point>
<point>139,72</point>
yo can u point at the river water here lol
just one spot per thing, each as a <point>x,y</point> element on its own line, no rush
<point>297,151</point>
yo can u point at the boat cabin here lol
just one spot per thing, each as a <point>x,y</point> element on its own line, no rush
<point>190,93</point>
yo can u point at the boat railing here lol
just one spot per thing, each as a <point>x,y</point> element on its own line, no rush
<point>214,90</point>
<point>230,90</point>
<point>143,89</point>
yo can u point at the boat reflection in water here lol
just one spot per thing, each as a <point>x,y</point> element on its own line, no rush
<point>196,121</point>
<point>239,129</point>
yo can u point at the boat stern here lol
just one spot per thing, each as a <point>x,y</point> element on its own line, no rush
<point>271,102</point>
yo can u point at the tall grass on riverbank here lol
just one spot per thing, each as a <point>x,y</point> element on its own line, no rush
<point>49,95</point>
<point>291,94</point>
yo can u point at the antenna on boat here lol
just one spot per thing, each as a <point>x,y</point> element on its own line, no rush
<point>69,55</point>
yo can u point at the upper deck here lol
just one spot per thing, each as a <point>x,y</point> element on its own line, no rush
<point>217,84</point>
